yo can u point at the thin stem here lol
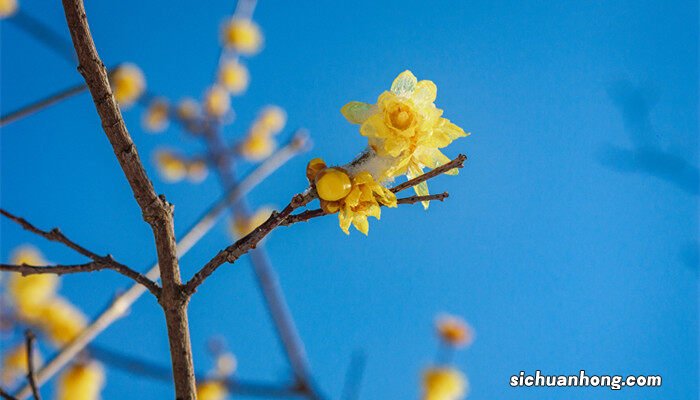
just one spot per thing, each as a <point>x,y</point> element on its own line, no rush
<point>30,364</point>
<point>5,395</point>
<point>458,162</point>
<point>39,105</point>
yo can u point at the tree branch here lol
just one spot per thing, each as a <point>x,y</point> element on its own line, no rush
<point>41,104</point>
<point>5,395</point>
<point>30,364</point>
<point>99,262</point>
<point>457,162</point>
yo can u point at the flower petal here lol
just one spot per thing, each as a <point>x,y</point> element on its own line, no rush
<point>404,84</point>
<point>425,92</point>
<point>361,224</point>
<point>357,112</point>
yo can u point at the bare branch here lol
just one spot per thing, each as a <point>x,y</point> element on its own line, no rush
<point>42,103</point>
<point>99,262</point>
<point>458,162</point>
<point>30,364</point>
<point>6,396</point>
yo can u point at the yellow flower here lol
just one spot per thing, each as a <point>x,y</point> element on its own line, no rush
<point>14,363</point>
<point>28,293</point>
<point>241,227</point>
<point>212,390</point>
<point>217,101</point>
<point>61,321</point>
<point>242,35</point>
<point>444,384</point>
<point>234,77</point>
<point>7,8</point>
<point>81,382</point>
<point>272,119</point>
<point>256,147</point>
<point>187,109</point>
<point>156,117</point>
<point>353,198</point>
<point>197,171</point>
<point>171,167</point>
<point>406,125</point>
<point>454,330</point>
<point>128,84</point>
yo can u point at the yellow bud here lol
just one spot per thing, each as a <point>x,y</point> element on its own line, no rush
<point>313,168</point>
<point>257,147</point>
<point>272,119</point>
<point>333,184</point>
<point>7,8</point>
<point>444,384</point>
<point>242,35</point>
<point>234,77</point>
<point>217,101</point>
<point>28,293</point>
<point>212,390</point>
<point>81,382</point>
<point>155,119</point>
<point>171,167</point>
<point>128,84</point>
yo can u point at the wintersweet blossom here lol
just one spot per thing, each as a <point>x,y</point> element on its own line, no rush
<point>272,119</point>
<point>212,390</point>
<point>171,167</point>
<point>242,35</point>
<point>257,147</point>
<point>234,77</point>
<point>405,128</point>
<point>353,196</point>
<point>156,116</point>
<point>8,8</point>
<point>444,383</point>
<point>217,101</point>
<point>259,142</point>
<point>14,363</point>
<point>454,330</point>
<point>61,321</point>
<point>29,293</point>
<point>128,84</point>
<point>83,381</point>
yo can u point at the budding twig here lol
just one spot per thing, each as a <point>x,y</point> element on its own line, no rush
<point>99,262</point>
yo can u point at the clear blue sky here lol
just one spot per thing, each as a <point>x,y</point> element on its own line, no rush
<point>570,240</point>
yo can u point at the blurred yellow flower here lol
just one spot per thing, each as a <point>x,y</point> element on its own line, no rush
<point>212,390</point>
<point>217,101</point>
<point>61,321</point>
<point>171,167</point>
<point>156,116</point>
<point>187,109</point>
<point>257,147</point>
<point>444,384</point>
<point>8,8</point>
<point>242,35</point>
<point>197,171</point>
<point>454,330</point>
<point>354,198</point>
<point>272,119</point>
<point>28,293</point>
<point>128,84</point>
<point>14,363</point>
<point>234,77</point>
<point>81,382</point>
<point>241,227</point>
<point>406,125</point>
<point>226,364</point>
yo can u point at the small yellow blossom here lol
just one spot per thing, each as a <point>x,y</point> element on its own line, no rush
<point>128,84</point>
<point>242,227</point>
<point>28,293</point>
<point>217,101</point>
<point>14,363</point>
<point>81,382</point>
<point>272,119</point>
<point>212,390</point>
<point>61,321</point>
<point>171,167</point>
<point>156,116</point>
<point>234,77</point>
<point>242,35</point>
<point>257,147</point>
<point>444,384</point>
<point>405,125</point>
<point>188,109</point>
<point>8,8</point>
<point>353,204</point>
<point>197,171</point>
<point>454,330</point>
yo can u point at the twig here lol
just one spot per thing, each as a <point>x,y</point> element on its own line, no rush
<point>458,162</point>
<point>123,300</point>
<point>30,364</point>
<point>41,104</point>
<point>5,395</point>
<point>99,262</point>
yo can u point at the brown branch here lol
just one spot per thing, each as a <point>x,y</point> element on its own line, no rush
<point>41,104</point>
<point>458,162</point>
<point>156,211</point>
<point>6,396</point>
<point>245,244</point>
<point>99,262</point>
<point>31,377</point>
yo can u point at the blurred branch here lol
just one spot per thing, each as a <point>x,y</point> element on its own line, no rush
<point>41,104</point>
<point>30,364</point>
<point>5,395</point>
<point>123,300</point>
<point>99,262</point>
<point>46,35</point>
<point>353,378</point>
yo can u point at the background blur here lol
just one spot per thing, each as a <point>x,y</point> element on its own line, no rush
<point>570,240</point>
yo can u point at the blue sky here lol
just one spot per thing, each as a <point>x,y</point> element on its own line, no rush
<point>570,240</point>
